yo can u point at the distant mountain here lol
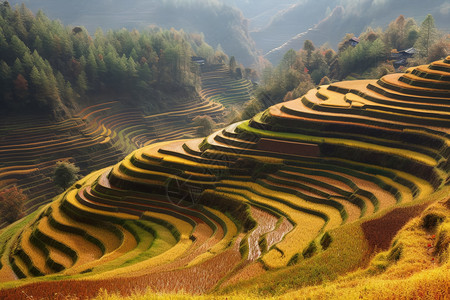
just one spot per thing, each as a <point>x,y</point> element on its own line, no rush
<point>220,23</point>
<point>329,20</point>
<point>260,12</point>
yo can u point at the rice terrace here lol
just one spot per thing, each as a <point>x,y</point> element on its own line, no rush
<point>341,193</point>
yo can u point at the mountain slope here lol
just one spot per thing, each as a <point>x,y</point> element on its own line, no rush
<point>304,178</point>
<point>329,21</point>
<point>220,23</point>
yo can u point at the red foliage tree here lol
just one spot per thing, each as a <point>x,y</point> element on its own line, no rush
<point>12,203</point>
<point>20,87</point>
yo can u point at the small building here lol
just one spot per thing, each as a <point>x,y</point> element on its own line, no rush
<point>401,57</point>
<point>198,60</point>
<point>353,41</point>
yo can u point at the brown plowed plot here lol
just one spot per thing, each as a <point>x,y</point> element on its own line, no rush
<point>266,223</point>
<point>247,272</point>
<point>380,232</point>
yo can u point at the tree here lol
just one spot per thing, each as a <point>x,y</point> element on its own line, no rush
<point>439,50</point>
<point>205,125</point>
<point>427,36</point>
<point>232,65</point>
<point>65,174</point>
<point>308,46</point>
<point>395,33</point>
<point>18,47</point>
<point>5,74</point>
<point>82,84</point>
<point>12,203</point>
<point>20,88</point>
<point>251,108</point>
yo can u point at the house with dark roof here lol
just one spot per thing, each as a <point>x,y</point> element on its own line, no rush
<point>401,57</point>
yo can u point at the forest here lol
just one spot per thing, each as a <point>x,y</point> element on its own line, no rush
<point>48,67</point>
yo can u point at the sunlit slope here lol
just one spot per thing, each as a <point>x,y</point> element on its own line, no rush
<point>269,189</point>
<point>96,137</point>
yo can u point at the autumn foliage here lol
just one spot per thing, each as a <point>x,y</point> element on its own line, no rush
<point>12,201</point>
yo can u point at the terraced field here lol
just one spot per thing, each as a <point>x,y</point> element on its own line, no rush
<point>98,136</point>
<point>257,195</point>
<point>220,87</point>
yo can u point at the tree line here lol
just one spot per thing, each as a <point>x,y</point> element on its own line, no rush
<point>46,66</point>
<point>301,70</point>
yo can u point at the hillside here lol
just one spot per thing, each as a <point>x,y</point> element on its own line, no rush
<point>219,23</point>
<point>219,86</point>
<point>329,21</point>
<point>260,13</point>
<point>96,137</point>
<point>90,101</point>
<point>298,195</point>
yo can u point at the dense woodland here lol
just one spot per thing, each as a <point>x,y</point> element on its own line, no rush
<point>301,70</point>
<point>48,67</point>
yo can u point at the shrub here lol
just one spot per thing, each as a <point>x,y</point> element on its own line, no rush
<point>205,123</point>
<point>65,174</point>
<point>310,250</point>
<point>12,202</point>
<point>325,240</point>
<point>431,220</point>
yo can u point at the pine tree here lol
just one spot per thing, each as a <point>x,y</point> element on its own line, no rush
<point>38,45</point>
<point>17,68</point>
<point>308,46</point>
<point>5,74</point>
<point>5,82</point>
<point>82,84</point>
<point>27,62</point>
<point>18,47</point>
<point>427,36</point>
<point>91,68</point>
